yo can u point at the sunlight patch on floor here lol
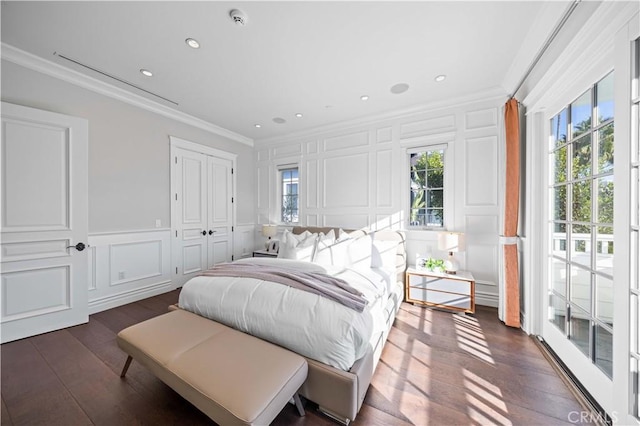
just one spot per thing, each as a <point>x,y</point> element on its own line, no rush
<point>406,343</point>
<point>471,339</point>
<point>409,400</point>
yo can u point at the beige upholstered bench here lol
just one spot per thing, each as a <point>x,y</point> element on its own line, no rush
<point>232,377</point>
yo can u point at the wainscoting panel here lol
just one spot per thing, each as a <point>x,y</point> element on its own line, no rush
<point>482,259</point>
<point>481,119</point>
<point>430,126</point>
<point>383,178</point>
<point>352,140</point>
<point>312,184</point>
<point>245,236</point>
<point>312,147</point>
<point>384,135</point>
<point>482,224</point>
<point>346,181</point>
<point>127,267</point>
<point>287,150</point>
<point>357,174</point>
<point>481,160</point>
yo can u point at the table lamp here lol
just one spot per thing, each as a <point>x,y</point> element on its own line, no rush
<point>269,231</point>
<point>451,242</point>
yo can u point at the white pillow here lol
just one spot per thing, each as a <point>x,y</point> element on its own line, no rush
<point>332,254</point>
<point>300,247</point>
<point>359,252</point>
<point>348,252</point>
<point>383,254</point>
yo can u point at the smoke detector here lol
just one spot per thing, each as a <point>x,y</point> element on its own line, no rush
<point>238,17</point>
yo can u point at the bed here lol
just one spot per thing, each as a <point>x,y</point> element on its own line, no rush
<point>343,346</point>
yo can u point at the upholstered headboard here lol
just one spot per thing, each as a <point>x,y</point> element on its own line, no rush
<point>382,235</point>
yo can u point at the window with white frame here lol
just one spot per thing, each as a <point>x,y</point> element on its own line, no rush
<point>427,186</point>
<point>581,159</point>
<point>634,234</point>
<point>289,194</point>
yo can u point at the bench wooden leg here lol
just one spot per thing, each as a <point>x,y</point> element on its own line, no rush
<point>296,399</point>
<point>126,366</point>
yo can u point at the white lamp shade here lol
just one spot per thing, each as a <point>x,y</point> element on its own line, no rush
<point>269,231</point>
<point>451,241</point>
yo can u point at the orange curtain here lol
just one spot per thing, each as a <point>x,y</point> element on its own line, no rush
<point>512,201</point>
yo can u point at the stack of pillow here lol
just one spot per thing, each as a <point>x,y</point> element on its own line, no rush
<point>357,250</point>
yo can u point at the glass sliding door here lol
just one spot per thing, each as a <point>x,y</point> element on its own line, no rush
<point>581,250</point>
<point>634,240</point>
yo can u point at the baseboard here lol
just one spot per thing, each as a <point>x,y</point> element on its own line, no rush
<point>597,415</point>
<point>119,299</point>
<point>486,299</point>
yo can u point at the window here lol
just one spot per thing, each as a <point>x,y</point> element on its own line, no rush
<point>581,160</point>
<point>289,195</point>
<point>426,187</point>
<point>634,235</point>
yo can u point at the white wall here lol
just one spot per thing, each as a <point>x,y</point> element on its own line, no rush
<point>355,176</point>
<point>129,184</point>
<point>129,174</point>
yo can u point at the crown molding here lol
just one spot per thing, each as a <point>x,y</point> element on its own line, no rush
<point>44,66</point>
<point>584,57</point>
<point>492,94</point>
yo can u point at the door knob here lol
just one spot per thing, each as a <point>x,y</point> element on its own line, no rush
<point>211,232</point>
<point>204,232</point>
<point>79,246</point>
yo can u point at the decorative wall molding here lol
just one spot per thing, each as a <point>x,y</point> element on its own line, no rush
<point>359,177</point>
<point>247,238</point>
<point>128,266</point>
<point>495,95</point>
<point>484,298</point>
<point>41,65</point>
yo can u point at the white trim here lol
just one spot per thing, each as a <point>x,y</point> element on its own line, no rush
<point>178,143</point>
<point>202,149</point>
<point>484,96</point>
<point>112,301</point>
<point>44,66</point>
<point>591,41</point>
<point>448,220</point>
<point>484,298</point>
<point>133,231</point>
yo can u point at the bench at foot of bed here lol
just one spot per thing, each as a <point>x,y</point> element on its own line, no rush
<point>232,377</point>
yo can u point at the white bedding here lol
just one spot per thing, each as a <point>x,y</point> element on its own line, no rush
<point>305,323</point>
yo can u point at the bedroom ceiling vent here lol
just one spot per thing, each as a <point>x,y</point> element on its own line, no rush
<point>238,17</point>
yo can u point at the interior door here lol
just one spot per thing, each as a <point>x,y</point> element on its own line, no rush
<point>220,211</point>
<point>44,222</point>
<point>190,224</point>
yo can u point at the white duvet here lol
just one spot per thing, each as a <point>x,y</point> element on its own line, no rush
<point>305,323</point>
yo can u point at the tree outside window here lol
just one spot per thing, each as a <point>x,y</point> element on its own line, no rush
<point>427,188</point>
<point>289,201</point>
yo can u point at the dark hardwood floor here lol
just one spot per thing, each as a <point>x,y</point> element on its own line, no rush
<point>437,368</point>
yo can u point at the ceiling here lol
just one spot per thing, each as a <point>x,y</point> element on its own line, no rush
<point>313,58</point>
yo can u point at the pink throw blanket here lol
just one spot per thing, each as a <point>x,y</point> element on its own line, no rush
<point>318,283</point>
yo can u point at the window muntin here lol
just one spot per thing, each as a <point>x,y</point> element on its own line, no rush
<point>581,160</point>
<point>426,187</point>
<point>289,201</point>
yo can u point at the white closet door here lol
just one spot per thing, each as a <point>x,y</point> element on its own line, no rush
<point>44,222</point>
<point>191,214</point>
<point>220,217</point>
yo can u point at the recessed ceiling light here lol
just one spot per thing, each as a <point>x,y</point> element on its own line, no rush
<point>299,115</point>
<point>364,98</point>
<point>146,73</point>
<point>440,78</point>
<point>192,42</point>
<point>257,126</point>
<point>399,88</point>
